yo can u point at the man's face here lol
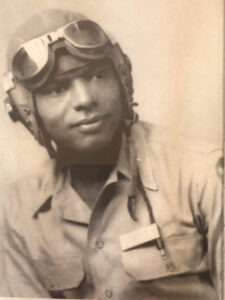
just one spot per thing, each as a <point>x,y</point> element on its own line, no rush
<point>81,108</point>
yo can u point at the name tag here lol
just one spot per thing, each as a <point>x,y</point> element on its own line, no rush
<point>139,236</point>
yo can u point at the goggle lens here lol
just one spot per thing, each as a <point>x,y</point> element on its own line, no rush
<point>85,34</point>
<point>24,66</point>
<point>32,57</point>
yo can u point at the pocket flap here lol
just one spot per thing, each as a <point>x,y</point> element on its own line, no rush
<point>184,255</point>
<point>60,273</point>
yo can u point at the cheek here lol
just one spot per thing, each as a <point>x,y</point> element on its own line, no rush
<point>116,103</point>
<point>111,97</point>
<point>50,110</point>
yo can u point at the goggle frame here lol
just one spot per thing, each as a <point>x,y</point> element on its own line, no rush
<point>38,48</point>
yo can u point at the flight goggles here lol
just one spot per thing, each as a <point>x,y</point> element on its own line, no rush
<point>86,37</point>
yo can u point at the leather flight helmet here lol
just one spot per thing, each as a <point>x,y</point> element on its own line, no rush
<point>20,101</point>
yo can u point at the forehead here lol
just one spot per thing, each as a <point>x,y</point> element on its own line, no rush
<point>65,62</point>
<point>68,66</point>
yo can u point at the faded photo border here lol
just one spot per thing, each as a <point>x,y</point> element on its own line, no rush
<point>177,54</point>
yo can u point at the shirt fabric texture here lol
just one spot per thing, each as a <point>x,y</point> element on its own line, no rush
<point>56,246</point>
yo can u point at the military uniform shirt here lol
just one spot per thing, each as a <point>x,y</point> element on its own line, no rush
<point>56,246</point>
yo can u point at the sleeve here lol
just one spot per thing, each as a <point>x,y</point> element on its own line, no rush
<point>20,277</point>
<point>210,206</point>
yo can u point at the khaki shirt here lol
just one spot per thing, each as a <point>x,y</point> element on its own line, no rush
<point>55,246</point>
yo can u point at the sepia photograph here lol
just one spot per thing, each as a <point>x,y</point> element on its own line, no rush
<point>111,138</point>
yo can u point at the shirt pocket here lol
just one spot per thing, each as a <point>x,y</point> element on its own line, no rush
<point>60,273</point>
<point>184,255</point>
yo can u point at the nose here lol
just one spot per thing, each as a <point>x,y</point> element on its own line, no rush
<point>82,96</point>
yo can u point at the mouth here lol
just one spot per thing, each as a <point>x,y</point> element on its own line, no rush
<point>89,121</point>
<point>91,125</point>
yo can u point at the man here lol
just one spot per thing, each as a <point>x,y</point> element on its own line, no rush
<point>120,211</point>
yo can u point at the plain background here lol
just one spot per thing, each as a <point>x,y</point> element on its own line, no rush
<point>176,49</point>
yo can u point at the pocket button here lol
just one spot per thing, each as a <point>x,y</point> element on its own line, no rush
<point>99,244</point>
<point>171,267</point>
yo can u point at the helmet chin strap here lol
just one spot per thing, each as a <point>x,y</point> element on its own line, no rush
<point>132,192</point>
<point>42,135</point>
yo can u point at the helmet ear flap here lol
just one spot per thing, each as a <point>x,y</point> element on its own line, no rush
<point>19,105</point>
<point>128,62</point>
<point>11,109</point>
<point>123,68</point>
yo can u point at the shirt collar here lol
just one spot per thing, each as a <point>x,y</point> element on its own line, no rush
<point>123,162</point>
<point>49,183</point>
<point>144,157</point>
<point>72,207</point>
<point>77,210</point>
<point>55,183</point>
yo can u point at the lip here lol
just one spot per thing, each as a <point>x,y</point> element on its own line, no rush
<point>89,121</point>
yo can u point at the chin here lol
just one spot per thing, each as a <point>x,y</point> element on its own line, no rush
<point>93,145</point>
<point>86,145</point>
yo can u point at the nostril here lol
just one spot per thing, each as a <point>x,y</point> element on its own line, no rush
<point>78,107</point>
<point>85,107</point>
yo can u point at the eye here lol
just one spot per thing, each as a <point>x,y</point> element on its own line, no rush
<point>60,88</point>
<point>56,88</point>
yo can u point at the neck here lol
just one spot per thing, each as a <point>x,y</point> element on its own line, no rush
<point>90,174</point>
<point>88,181</point>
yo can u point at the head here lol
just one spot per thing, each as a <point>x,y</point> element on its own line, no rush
<point>75,88</point>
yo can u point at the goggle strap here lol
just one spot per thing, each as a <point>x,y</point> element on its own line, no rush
<point>123,68</point>
<point>54,36</point>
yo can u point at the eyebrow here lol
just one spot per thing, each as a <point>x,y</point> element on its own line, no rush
<point>54,81</point>
<point>85,70</point>
<point>74,71</point>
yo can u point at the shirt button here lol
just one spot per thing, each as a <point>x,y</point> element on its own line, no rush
<point>99,244</point>
<point>171,267</point>
<point>109,294</point>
